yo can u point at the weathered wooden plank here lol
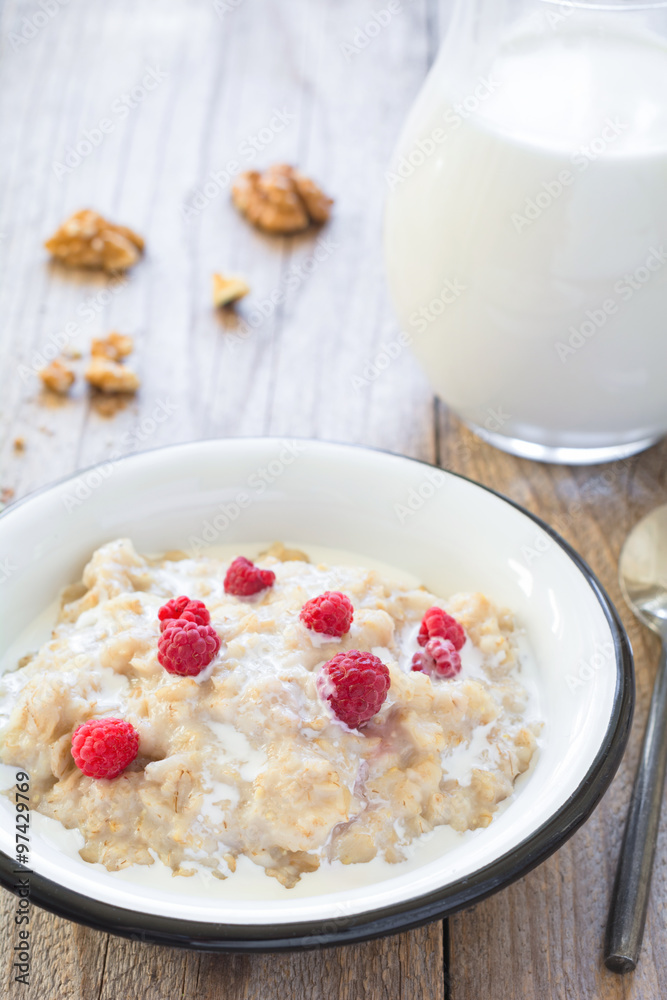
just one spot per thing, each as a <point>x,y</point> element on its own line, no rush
<point>68,960</point>
<point>404,967</point>
<point>543,937</point>
<point>220,81</point>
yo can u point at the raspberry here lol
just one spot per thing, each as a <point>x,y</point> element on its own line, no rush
<point>440,657</point>
<point>355,684</point>
<point>183,607</point>
<point>418,663</point>
<point>102,748</point>
<point>187,648</point>
<point>331,613</point>
<point>437,622</point>
<point>243,578</point>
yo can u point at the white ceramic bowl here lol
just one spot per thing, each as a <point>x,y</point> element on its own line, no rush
<point>451,533</point>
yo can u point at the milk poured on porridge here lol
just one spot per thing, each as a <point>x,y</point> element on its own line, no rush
<point>526,236</point>
<point>245,763</point>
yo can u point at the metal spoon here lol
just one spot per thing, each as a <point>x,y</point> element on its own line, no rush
<point>643,579</point>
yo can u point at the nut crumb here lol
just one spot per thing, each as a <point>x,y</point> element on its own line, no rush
<point>19,444</point>
<point>228,290</point>
<point>72,353</point>
<point>57,377</point>
<point>114,346</point>
<point>6,494</point>
<point>111,377</point>
<point>87,239</point>
<point>280,200</point>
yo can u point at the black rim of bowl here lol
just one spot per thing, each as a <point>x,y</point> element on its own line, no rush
<point>435,905</point>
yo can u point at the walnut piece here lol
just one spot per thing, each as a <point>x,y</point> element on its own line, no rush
<point>318,205</point>
<point>19,444</point>
<point>86,239</point>
<point>73,353</point>
<point>278,551</point>
<point>114,346</point>
<point>111,377</point>
<point>57,377</point>
<point>226,290</point>
<point>280,200</point>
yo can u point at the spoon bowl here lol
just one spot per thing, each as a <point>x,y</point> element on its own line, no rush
<point>643,570</point>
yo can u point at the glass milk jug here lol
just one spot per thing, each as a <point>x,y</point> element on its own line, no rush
<point>526,225</point>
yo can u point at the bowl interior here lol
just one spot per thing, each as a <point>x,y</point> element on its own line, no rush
<point>447,531</point>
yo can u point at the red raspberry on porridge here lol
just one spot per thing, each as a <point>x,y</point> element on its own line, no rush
<point>437,623</point>
<point>355,684</point>
<point>183,607</point>
<point>187,648</point>
<point>440,658</point>
<point>243,578</point>
<point>330,613</point>
<point>102,748</point>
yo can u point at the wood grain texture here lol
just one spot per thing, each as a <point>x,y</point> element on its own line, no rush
<point>543,936</point>
<point>280,370</point>
<point>288,368</point>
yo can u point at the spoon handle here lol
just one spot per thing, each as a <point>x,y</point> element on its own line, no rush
<point>629,901</point>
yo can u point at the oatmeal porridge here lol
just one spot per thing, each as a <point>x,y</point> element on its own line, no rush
<point>289,712</point>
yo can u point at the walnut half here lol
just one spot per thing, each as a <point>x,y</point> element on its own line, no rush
<point>280,200</point>
<point>87,239</point>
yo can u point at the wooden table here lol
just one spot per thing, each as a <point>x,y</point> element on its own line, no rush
<point>189,87</point>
